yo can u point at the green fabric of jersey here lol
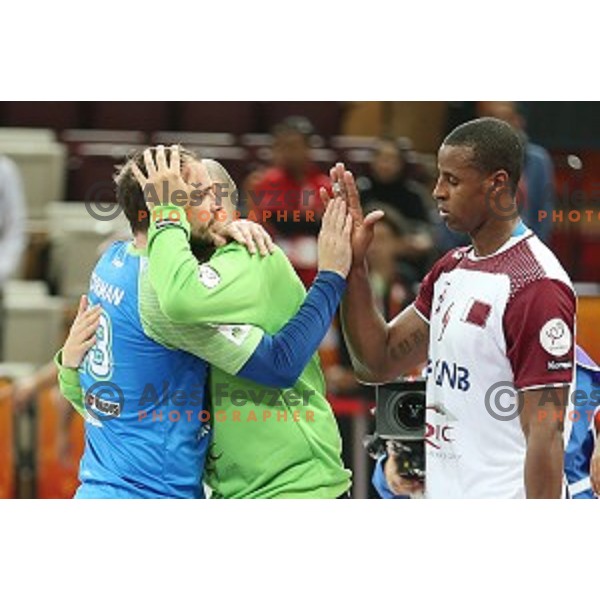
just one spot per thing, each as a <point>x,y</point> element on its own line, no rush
<point>266,443</point>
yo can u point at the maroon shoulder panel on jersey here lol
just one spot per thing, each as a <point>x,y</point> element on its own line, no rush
<point>539,324</point>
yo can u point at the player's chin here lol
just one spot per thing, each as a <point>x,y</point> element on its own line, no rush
<point>202,236</point>
<point>453,224</point>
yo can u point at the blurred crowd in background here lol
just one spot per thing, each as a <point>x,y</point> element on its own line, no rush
<point>57,160</point>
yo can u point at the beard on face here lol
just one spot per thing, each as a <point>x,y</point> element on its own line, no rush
<point>202,249</point>
<point>201,242</point>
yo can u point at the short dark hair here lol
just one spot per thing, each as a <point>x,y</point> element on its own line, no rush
<point>295,124</point>
<point>495,144</point>
<point>129,193</point>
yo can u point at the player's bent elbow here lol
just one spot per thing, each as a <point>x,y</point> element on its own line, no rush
<point>377,367</point>
<point>286,380</point>
<point>173,308</point>
<point>269,375</point>
<point>372,374</point>
<point>171,311</point>
<point>271,380</point>
<point>286,383</point>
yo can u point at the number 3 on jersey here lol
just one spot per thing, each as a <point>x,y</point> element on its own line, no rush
<point>99,358</point>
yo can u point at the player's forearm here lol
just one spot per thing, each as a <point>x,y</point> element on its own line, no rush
<point>365,330</point>
<point>280,359</point>
<point>172,269</point>
<point>544,463</point>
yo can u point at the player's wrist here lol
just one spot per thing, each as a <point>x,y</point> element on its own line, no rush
<point>69,361</point>
<point>333,278</point>
<point>333,271</point>
<point>358,271</point>
<point>63,367</point>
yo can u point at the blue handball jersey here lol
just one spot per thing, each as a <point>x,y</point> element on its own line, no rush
<point>582,440</point>
<point>139,442</point>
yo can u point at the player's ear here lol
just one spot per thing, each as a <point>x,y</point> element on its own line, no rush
<point>499,181</point>
<point>186,170</point>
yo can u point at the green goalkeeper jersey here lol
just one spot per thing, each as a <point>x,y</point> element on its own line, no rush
<point>267,443</point>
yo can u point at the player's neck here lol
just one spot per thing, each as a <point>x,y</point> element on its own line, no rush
<point>140,241</point>
<point>492,235</point>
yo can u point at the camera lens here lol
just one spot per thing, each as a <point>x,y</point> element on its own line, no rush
<point>409,410</point>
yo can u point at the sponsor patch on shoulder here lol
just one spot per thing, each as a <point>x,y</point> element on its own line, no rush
<point>209,276</point>
<point>235,333</point>
<point>556,338</point>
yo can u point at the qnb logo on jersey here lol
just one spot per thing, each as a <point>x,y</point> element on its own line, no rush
<point>449,374</point>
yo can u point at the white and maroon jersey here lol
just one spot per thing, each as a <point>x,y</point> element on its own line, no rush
<point>498,324</point>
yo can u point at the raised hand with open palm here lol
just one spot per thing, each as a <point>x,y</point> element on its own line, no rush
<point>363,227</point>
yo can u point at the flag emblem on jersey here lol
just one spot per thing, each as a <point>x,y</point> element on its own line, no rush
<point>477,312</point>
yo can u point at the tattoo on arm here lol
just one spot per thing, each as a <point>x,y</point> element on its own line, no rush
<point>407,344</point>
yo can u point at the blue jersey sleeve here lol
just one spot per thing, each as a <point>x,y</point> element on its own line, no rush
<point>279,360</point>
<point>581,443</point>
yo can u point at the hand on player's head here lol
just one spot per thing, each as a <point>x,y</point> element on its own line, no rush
<point>248,233</point>
<point>164,177</point>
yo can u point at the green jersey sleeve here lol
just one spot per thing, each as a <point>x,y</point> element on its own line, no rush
<point>68,382</point>
<point>224,290</point>
<point>226,346</point>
